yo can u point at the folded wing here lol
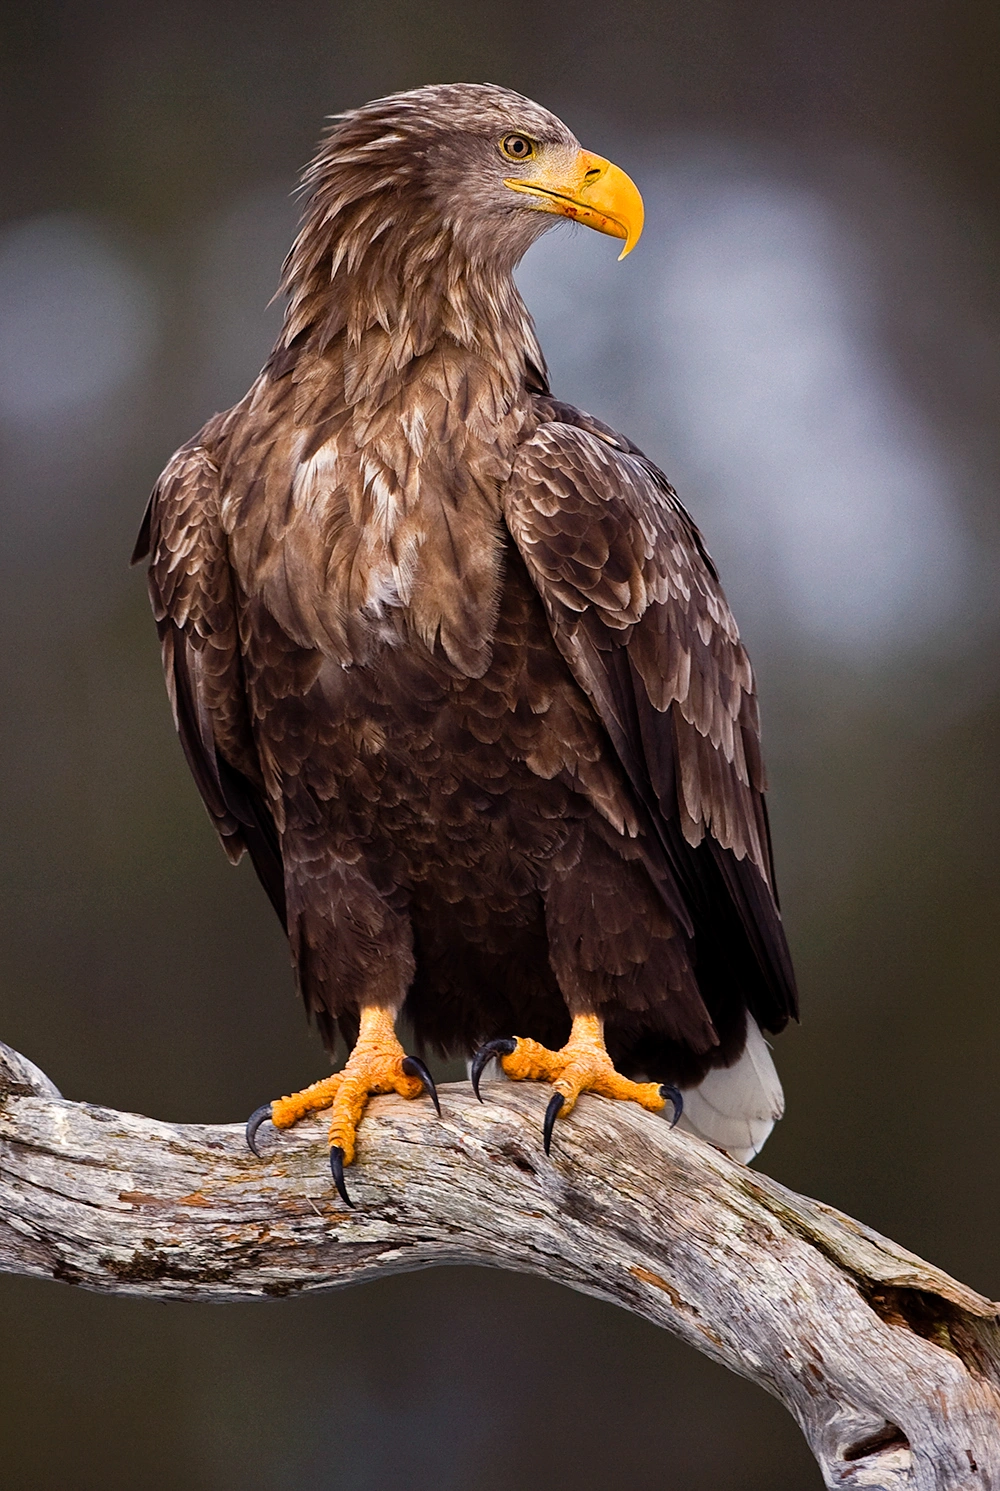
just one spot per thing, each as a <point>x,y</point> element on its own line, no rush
<point>191,588</point>
<point>636,609</point>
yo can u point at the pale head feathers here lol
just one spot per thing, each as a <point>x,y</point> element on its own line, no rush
<point>408,227</point>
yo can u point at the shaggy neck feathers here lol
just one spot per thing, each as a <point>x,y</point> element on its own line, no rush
<point>400,387</point>
<point>378,268</point>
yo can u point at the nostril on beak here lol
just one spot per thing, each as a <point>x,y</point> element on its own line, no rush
<point>592,175</point>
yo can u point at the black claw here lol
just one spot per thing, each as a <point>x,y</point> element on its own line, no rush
<point>337,1168</point>
<point>257,1117</point>
<point>668,1090</point>
<point>505,1046</point>
<point>414,1067</point>
<point>551,1114</point>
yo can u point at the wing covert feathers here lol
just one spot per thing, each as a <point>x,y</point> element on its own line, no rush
<point>636,610</point>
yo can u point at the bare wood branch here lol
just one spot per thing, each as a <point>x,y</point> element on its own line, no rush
<point>890,1367</point>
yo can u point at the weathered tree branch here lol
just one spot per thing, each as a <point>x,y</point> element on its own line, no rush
<point>891,1368</point>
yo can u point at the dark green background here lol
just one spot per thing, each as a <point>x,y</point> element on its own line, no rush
<point>140,971</point>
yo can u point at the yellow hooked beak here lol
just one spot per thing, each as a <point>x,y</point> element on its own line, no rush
<point>592,191</point>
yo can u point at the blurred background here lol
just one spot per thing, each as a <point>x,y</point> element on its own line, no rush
<point>807,342</point>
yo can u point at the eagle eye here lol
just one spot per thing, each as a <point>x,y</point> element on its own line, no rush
<point>517,147</point>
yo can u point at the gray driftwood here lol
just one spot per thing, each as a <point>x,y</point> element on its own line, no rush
<point>891,1368</point>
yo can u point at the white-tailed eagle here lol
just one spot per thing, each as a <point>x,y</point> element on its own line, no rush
<point>450,661</point>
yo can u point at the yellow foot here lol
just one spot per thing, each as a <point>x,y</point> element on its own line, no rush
<point>583,1065</point>
<point>378,1063</point>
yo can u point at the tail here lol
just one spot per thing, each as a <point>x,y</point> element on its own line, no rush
<point>736,1107</point>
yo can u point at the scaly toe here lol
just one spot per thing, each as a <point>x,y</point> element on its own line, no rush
<point>530,1061</point>
<point>286,1111</point>
<point>372,1069</point>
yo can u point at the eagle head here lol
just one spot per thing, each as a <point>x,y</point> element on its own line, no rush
<point>467,169</point>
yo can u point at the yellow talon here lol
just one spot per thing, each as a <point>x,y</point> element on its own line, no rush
<point>377,1063</point>
<point>583,1065</point>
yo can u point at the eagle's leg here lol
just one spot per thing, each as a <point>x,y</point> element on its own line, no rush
<point>377,1063</point>
<point>583,1065</point>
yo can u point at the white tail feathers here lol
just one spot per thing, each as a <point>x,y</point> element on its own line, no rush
<point>736,1107</point>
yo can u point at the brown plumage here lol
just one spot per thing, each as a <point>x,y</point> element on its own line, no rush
<point>447,657</point>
